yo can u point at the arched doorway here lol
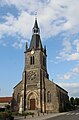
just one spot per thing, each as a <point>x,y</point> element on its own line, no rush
<point>32,104</point>
<point>32,99</point>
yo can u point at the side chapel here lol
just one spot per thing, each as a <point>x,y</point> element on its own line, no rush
<point>35,91</point>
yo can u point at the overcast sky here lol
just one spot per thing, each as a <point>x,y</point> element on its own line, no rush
<point>58,21</point>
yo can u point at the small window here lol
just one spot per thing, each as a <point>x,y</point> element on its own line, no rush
<point>48,96</point>
<point>31,60</point>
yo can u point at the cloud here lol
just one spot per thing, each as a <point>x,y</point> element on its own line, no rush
<point>72,88</point>
<point>70,50</point>
<point>67,46</point>
<point>30,6</point>
<point>19,44</point>
<point>67,25</point>
<point>54,17</point>
<point>73,56</point>
<point>76,43</point>
<point>73,73</point>
<point>69,57</point>
<point>76,69</point>
<point>20,27</point>
<point>63,77</point>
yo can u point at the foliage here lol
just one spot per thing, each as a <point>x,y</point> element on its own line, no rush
<point>27,113</point>
<point>15,113</point>
<point>5,114</point>
<point>76,101</point>
<point>72,101</point>
<point>7,107</point>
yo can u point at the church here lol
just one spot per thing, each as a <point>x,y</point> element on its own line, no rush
<point>35,91</point>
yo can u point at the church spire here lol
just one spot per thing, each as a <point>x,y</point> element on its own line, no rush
<point>36,41</point>
<point>36,28</point>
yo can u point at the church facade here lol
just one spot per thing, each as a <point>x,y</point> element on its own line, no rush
<point>35,91</point>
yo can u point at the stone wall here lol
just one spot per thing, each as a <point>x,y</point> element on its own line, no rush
<point>52,106</point>
<point>16,96</point>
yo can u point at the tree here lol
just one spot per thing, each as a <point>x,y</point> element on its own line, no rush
<point>72,101</point>
<point>76,101</point>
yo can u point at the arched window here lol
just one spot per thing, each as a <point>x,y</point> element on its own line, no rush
<point>18,98</point>
<point>48,96</point>
<point>31,60</point>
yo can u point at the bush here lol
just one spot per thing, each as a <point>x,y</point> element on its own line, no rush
<point>5,115</point>
<point>31,113</point>
<point>27,113</point>
<point>15,113</point>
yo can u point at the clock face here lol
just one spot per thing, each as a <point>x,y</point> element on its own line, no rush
<point>31,75</point>
<point>32,52</point>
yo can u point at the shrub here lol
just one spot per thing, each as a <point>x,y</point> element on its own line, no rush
<point>27,113</point>
<point>15,113</point>
<point>4,114</point>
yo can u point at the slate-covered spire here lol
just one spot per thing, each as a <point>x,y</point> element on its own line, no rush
<point>35,41</point>
<point>36,28</point>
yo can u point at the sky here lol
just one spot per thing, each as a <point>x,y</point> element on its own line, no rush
<point>58,21</point>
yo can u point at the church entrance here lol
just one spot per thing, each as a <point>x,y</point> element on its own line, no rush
<point>32,104</point>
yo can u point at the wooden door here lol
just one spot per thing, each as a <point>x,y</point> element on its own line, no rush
<point>32,104</point>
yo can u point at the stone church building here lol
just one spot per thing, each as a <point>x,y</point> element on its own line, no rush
<point>35,91</point>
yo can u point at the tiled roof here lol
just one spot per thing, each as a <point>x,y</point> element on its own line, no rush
<point>5,99</point>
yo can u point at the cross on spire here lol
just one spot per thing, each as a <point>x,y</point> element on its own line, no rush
<point>36,28</point>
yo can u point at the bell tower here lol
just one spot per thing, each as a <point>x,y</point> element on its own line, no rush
<point>35,91</point>
<point>35,73</point>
